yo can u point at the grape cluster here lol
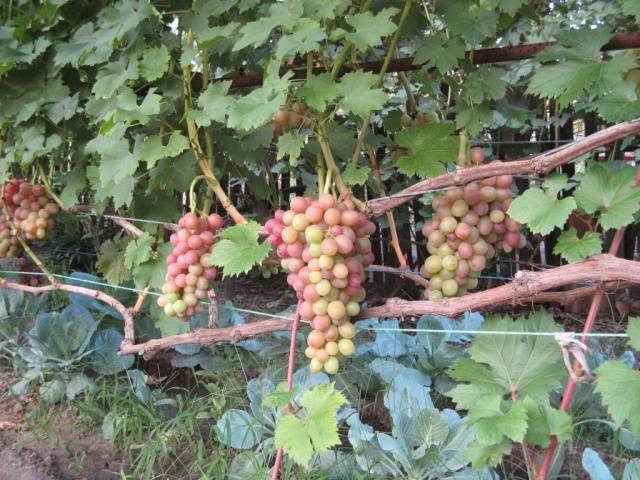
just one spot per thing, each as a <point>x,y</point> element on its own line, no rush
<point>9,245</point>
<point>30,207</point>
<point>188,272</point>
<point>26,265</point>
<point>325,246</point>
<point>291,119</point>
<point>470,223</point>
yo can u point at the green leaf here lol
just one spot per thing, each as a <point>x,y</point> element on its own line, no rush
<point>257,32</point>
<point>564,81</point>
<point>291,144</point>
<point>493,423</point>
<point>111,262</point>
<point>574,249</point>
<point>63,109</point>
<point>631,8</point>
<point>238,249</point>
<point>279,398</point>
<point>485,83</point>
<point>306,38</point>
<point>355,175</point>
<point>545,421</point>
<point>155,62</point>
<point>255,109</point>
<point>152,272</point>
<point>79,383</point>
<point>467,20</point>
<point>113,76</point>
<point>318,91</point>
<point>76,181</point>
<point>540,211</point>
<point>509,6</point>
<point>520,366</point>
<point>52,392</point>
<point>481,455</point>
<point>619,387</point>
<point>440,53</point>
<point>611,192</point>
<point>483,381</point>
<point>359,96</point>
<point>316,430</point>
<point>138,251</point>
<point>473,118</point>
<point>369,28</point>
<point>152,149</point>
<point>633,330</point>
<point>430,149</point>
<point>214,103</point>
<point>620,105</point>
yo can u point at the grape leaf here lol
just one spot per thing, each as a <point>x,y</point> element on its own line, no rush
<point>508,6</point>
<point>316,430</point>
<point>76,181</point>
<point>306,38</point>
<point>611,191</point>
<point>370,28</point>
<point>358,95</point>
<point>291,144</point>
<point>467,20</point>
<point>111,261</point>
<point>631,8</point>
<point>493,423</point>
<point>113,76</point>
<point>318,91</point>
<point>481,455</point>
<point>574,249</point>
<point>430,149</point>
<point>619,387</point>
<point>63,109</point>
<point>473,118</point>
<point>355,175</point>
<point>255,109</point>
<point>154,62</point>
<point>153,150</point>
<point>117,161</point>
<point>238,249</point>
<point>280,398</point>
<point>138,251</point>
<point>541,210</point>
<point>485,83</point>
<point>440,53</point>
<point>152,272</point>
<point>620,105</point>
<point>545,421</point>
<point>633,330</point>
<point>519,365</point>
<point>214,103</point>
<point>257,32</point>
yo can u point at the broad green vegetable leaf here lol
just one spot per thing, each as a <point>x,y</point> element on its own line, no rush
<point>138,251</point>
<point>619,387</point>
<point>611,192</point>
<point>485,83</point>
<point>239,429</point>
<point>154,63</point>
<point>238,249</point>
<point>316,430</point>
<point>355,175</point>
<point>541,210</point>
<point>574,249</point>
<point>495,418</point>
<point>255,109</point>
<point>544,421</point>
<point>291,144</point>
<point>359,96</point>
<point>214,102</point>
<point>594,466</point>
<point>440,53</point>
<point>105,359</point>
<point>318,91</point>
<point>152,149</point>
<point>633,330</point>
<point>52,392</point>
<point>79,383</point>
<point>430,149</point>
<point>369,28</point>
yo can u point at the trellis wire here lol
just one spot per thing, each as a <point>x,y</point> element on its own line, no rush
<point>371,329</point>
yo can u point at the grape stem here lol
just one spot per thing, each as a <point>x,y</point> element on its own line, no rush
<point>462,149</point>
<point>48,189</point>
<point>193,203</point>
<point>395,241</point>
<point>201,156</point>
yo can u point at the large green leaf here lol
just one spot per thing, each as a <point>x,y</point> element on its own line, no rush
<point>238,249</point>
<point>619,387</point>
<point>430,148</point>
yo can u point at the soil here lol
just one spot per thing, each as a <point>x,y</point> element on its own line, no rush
<point>62,453</point>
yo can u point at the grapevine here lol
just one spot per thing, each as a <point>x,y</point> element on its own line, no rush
<point>469,225</point>
<point>325,246</point>
<point>189,275</point>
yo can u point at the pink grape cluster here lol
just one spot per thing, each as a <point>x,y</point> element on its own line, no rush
<point>30,207</point>
<point>189,275</point>
<point>9,244</point>
<point>325,246</point>
<point>470,223</point>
